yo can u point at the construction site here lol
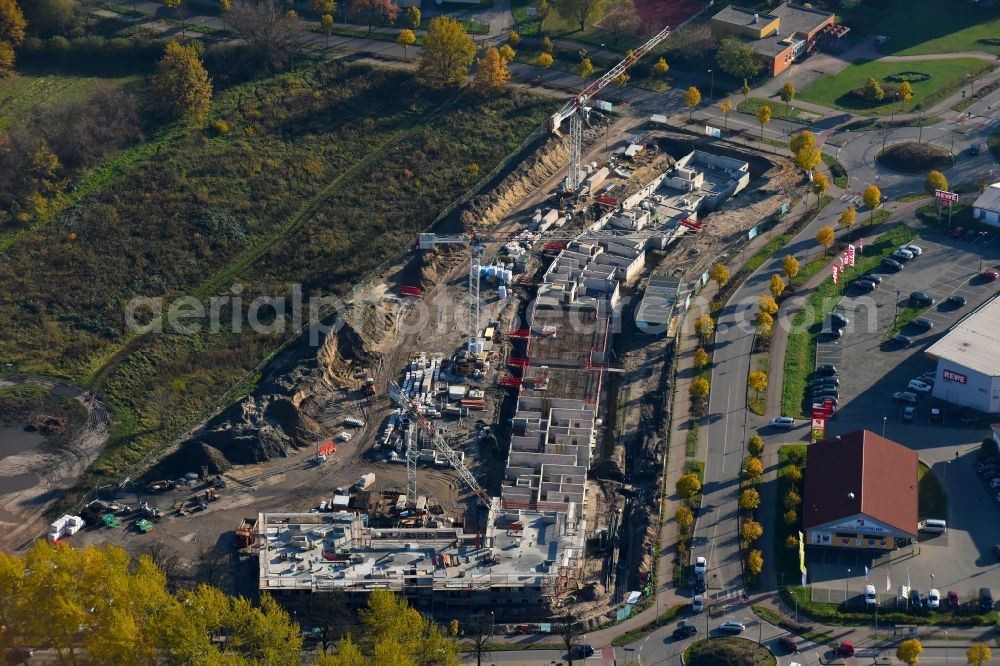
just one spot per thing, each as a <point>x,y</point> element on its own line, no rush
<point>486,429</point>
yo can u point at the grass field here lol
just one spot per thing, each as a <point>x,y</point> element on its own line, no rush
<point>946,76</point>
<point>728,651</point>
<point>931,499</point>
<point>917,27</point>
<point>779,110</point>
<point>787,559</point>
<point>33,88</point>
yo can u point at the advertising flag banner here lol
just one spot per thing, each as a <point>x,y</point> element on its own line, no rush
<point>802,555</point>
<point>888,581</point>
<point>850,255</point>
<point>835,280</point>
<point>861,246</point>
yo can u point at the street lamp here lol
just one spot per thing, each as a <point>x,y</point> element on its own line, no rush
<point>884,420</point>
<point>711,94</point>
<point>847,582</point>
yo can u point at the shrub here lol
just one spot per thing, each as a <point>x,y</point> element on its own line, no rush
<point>221,127</point>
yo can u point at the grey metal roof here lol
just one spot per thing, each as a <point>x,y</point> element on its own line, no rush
<point>973,342</point>
<point>795,19</point>
<point>989,199</point>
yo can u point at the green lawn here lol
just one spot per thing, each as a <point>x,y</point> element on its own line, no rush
<point>786,559</point>
<point>931,499</point>
<point>916,27</point>
<point>34,87</point>
<point>946,76</point>
<point>779,110</point>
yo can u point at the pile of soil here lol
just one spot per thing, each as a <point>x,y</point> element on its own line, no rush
<point>47,425</point>
<point>914,158</point>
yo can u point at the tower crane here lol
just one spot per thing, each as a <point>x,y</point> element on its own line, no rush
<point>576,109</point>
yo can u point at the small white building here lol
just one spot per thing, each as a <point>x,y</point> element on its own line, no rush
<point>986,208</point>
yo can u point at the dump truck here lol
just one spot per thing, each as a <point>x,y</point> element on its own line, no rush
<point>365,482</point>
<point>245,534</point>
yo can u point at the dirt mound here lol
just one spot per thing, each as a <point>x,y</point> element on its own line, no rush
<point>487,210</point>
<point>354,344</point>
<point>46,425</point>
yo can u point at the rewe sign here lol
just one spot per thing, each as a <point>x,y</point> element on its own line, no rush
<point>953,376</point>
<point>945,197</point>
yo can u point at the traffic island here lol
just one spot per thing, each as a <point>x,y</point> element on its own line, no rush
<point>914,159</point>
<point>728,651</point>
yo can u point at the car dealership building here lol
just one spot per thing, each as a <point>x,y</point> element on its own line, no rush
<point>968,362</point>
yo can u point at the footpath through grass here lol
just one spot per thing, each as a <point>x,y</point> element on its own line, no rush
<point>800,357</point>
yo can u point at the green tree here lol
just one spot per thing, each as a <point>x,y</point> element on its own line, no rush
<point>704,326</point>
<point>12,25</point>
<point>391,629</point>
<point>790,267</point>
<point>745,89</point>
<point>720,275</point>
<point>755,445</point>
<point>586,68</point>
<point>692,98</point>
<point>684,517</point>
<point>701,358</point>
<point>726,107</point>
<point>935,181</point>
<point>873,91</point>
<point>699,388</point>
<point>413,17</point>
<point>825,237</point>
<point>751,530</point>
<point>872,197</point>
<point>544,60</point>
<point>405,39</point>
<point>181,86</point>
<point>978,654</point>
<point>909,651</point>
<point>448,52</point>
<point>749,499</point>
<point>787,93</point>
<point>492,74</point>
<point>580,10</point>
<point>905,94</point>
<point>688,486</point>
<point>738,59</point>
<point>777,285</point>
<point>847,219</point>
<point>755,562</point>
<point>763,117</point>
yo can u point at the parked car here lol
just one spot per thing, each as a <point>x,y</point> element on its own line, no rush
<point>958,232</point>
<point>933,599</point>
<point>902,256</point>
<point>908,413</point>
<point>990,274</point>
<point>782,422</point>
<point>892,265</point>
<point>789,643</point>
<point>833,332</point>
<point>922,324</point>
<point>700,566</point>
<point>684,631</point>
<point>834,400</point>
<point>905,396</point>
<point>843,649</point>
<point>953,599</point>
<point>916,601</point>
<point>919,386</point>
<point>583,651</point>
<point>994,484</point>
<point>921,299</point>
<point>822,387</point>
<point>699,584</point>
<point>698,603</point>
<point>826,369</point>
<point>732,627</point>
<point>956,301</point>
<point>864,285</point>
<point>969,235</point>
<point>915,250</point>
<point>991,474</point>
<point>838,320</point>
<point>874,277</point>
<point>901,340</point>
<point>985,599</point>
<point>880,40</point>
<point>871,598</point>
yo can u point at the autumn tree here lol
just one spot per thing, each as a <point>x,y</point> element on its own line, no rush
<point>701,358</point>
<point>978,654</point>
<point>765,324</point>
<point>791,517</point>
<point>755,445</point>
<point>622,19</point>
<point>390,623</point>
<point>847,218</point>
<point>266,27</point>
<point>905,94</point>
<point>825,237</point>
<point>792,542</point>
<point>507,53</point>
<point>579,10</point>
<point>792,498</point>
<point>320,7</point>
<point>585,68</point>
<point>547,44</point>
<point>491,73</point>
<point>757,381</point>
<point>793,473</point>
<point>683,516</point>
<point>514,38</point>
<point>787,94</point>
<point>661,67</point>
<point>738,59</point>
<point>181,85</point>
<point>790,267</point>
<point>801,140</point>
<point>479,631</point>
<point>406,39</point>
<point>448,52</point>
<point>621,80</point>
<point>326,25</point>
<point>819,185</point>
<point>726,107</point>
<point>766,303</point>
<point>935,181</point>
<point>704,327</point>
<point>807,158</point>
<point>755,562</point>
<point>872,197</point>
<point>777,285</point>
<point>12,25</point>
<point>688,486</point>
<point>414,17</point>
<point>763,117</point>
<point>751,530</point>
<point>754,469</point>
<point>749,499</point>
<point>544,60</point>
<point>720,275</point>
<point>699,388</point>
<point>370,10</point>
<point>872,90</point>
<point>692,98</point>
<point>909,651</point>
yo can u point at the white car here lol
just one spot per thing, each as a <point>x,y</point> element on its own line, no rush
<point>784,422</point>
<point>698,604</point>
<point>933,599</point>
<point>700,566</point>
<point>915,250</point>
<point>919,385</point>
<point>732,627</point>
<point>995,483</point>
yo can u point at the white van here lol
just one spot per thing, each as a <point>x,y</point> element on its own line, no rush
<point>870,598</point>
<point>933,526</point>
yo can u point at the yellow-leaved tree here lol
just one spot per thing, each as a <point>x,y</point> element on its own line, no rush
<point>825,237</point>
<point>749,499</point>
<point>763,117</point>
<point>699,388</point>
<point>692,98</point>
<point>757,381</point>
<point>777,285</point>
<point>755,562</point>
<point>688,486</point>
<point>719,274</point>
<point>790,267</point>
<point>492,74</point>
<point>12,25</point>
<point>447,54</point>
<point>751,530</point>
<point>181,86</point>
<point>872,197</point>
<point>405,39</point>
<point>909,651</point>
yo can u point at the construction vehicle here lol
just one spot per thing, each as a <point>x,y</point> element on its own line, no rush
<point>245,534</point>
<point>159,486</point>
<point>144,525</point>
<point>150,512</point>
<point>110,521</point>
<point>323,452</point>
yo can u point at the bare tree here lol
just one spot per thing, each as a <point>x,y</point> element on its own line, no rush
<point>479,630</point>
<point>164,557</point>
<point>328,612</point>
<point>568,630</point>
<point>212,563</point>
<point>267,26</point>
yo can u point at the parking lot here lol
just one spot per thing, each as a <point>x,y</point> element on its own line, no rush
<point>870,371</point>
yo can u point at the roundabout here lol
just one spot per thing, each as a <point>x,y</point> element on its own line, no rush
<point>914,158</point>
<point>728,651</point>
